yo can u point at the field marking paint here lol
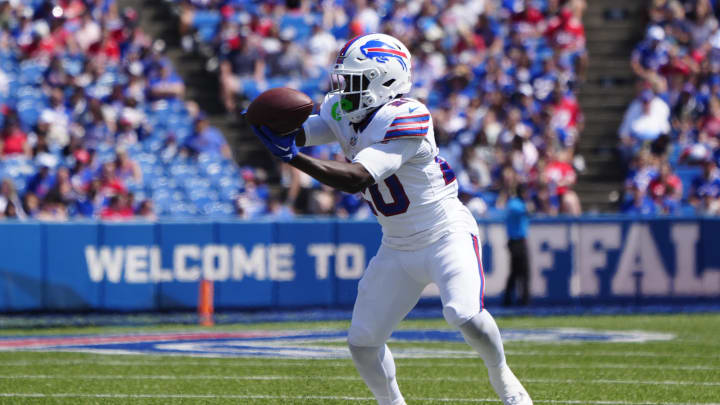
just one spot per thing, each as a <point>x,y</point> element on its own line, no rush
<point>302,344</point>
<point>160,362</point>
<point>608,354</point>
<point>342,378</point>
<point>324,397</point>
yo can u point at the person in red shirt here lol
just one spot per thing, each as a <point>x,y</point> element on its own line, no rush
<point>110,184</point>
<point>529,19</point>
<point>13,140</point>
<point>107,48</point>
<point>566,115</point>
<point>566,34</point>
<point>117,210</point>
<point>666,184</point>
<point>566,31</point>
<point>561,173</point>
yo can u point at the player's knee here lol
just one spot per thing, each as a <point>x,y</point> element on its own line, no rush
<point>363,337</point>
<point>457,315</point>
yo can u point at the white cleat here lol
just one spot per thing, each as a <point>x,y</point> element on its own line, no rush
<point>508,388</point>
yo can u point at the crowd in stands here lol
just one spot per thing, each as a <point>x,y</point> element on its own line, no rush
<point>670,135</point>
<point>498,76</point>
<point>93,121</point>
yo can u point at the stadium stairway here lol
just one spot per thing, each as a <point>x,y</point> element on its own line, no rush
<point>159,20</point>
<point>613,27</point>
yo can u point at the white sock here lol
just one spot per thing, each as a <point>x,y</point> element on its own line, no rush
<point>482,333</point>
<point>377,367</point>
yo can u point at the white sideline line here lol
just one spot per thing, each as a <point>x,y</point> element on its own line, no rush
<point>344,363</point>
<point>329,397</point>
<point>343,378</point>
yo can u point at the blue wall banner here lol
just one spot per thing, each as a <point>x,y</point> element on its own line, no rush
<point>317,262</point>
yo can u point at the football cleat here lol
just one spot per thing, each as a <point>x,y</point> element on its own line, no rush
<point>508,388</point>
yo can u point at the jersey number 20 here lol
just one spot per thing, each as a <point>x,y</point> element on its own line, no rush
<point>400,201</point>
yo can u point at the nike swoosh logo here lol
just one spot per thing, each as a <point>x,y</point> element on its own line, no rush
<point>283,149</point>
<point>410,110</point>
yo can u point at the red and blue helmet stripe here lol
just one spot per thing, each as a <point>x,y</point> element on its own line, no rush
<point>341,54</point>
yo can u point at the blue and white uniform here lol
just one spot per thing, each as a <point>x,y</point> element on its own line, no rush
<point>428,234</point>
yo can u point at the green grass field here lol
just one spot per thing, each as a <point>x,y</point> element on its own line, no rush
<point>685,370</point>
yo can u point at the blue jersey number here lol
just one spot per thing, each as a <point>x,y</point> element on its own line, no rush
<point>400,201</point>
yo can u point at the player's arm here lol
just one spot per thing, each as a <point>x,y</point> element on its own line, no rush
<point>371,165</point>
<point>347,177</point>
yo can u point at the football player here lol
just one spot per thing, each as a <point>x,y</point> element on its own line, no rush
<point>428,234</point>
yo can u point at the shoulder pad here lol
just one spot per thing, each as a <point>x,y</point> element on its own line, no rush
<point>405,117</point>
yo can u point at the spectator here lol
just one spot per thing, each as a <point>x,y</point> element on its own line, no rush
<point>639,204</point>
<point>9,198</point>
<point>42,181</point>
<point>90,203</point>
<point>207,139</point>
<point>31,204</point>
<point>651,54</point>
<point>167,85</point>
<point>276,210</point>
<point>58,118</point>
<point>705,189</point>
<point>13,141</point>
<point>110,184</point>
<point>146,211</point>
<point>118,209</point>
<point>560,173</point>
<point>666,184</point>
<point>645,120</point>
<point>62,191</point>
<point>126,168</point>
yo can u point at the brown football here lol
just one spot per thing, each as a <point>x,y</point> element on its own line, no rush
<point>281,109</point>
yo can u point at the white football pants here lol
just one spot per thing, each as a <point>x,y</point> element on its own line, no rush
<point>394,280</point>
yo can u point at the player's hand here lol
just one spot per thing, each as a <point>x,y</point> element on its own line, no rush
<point>283,146</point>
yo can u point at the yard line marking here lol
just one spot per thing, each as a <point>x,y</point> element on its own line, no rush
<point>606,354</point>
<point>328,397</point>
<point>343,363</point>
<point>337,377</point>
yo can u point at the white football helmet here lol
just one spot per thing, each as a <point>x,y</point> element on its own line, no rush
<point>370,70</point>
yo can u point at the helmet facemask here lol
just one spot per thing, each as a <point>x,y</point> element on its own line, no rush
<point>355,97</point>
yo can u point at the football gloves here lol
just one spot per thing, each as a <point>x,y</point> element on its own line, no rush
<point>283,146</point>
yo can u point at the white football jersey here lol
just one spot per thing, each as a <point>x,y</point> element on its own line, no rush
<point>416,203</point>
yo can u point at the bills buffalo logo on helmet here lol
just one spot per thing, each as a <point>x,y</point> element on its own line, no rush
<point>377,50</point>
<point>381,51</point>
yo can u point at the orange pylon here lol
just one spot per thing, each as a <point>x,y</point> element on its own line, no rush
<point>205,303</point>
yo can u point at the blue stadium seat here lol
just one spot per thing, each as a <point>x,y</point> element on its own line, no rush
<point>31,72</point>
<point>206,22</point>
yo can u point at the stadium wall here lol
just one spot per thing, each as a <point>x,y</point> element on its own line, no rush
<point>95,266</point>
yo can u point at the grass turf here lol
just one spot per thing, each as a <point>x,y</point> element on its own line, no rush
<point>685,370</point>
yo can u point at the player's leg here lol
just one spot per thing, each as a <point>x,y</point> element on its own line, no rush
<point>386,293</point>
<point>456,268</point>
